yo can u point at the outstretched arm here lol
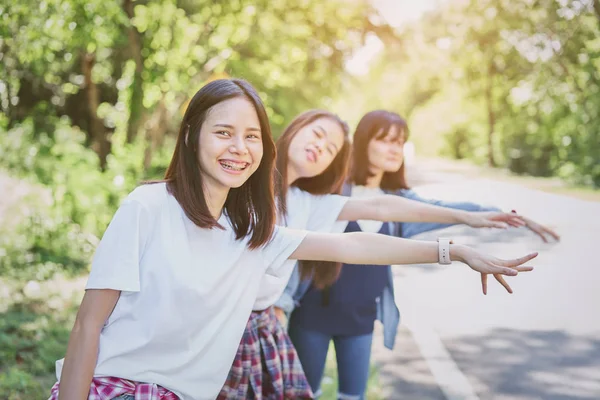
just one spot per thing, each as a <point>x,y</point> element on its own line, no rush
<point>398,209</point>
<point>371,248</point>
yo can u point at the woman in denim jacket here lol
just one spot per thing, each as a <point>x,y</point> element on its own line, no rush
<point>342,305</point>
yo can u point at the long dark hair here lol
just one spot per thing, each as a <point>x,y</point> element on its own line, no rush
<point>375,125</point>
<point>251,207</point>
<point>329,181</point>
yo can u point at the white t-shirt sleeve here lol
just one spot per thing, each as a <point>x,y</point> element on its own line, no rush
<point>324,211</point>
<point>276,253</point>
<point>117,258</point>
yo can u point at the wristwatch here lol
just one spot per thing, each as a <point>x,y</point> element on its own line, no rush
<point>444,251</point>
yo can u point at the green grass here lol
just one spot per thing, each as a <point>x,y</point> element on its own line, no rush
<point>329,384</point>
<point>32,337</point>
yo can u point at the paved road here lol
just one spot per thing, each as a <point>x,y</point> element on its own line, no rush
<point>542,342</point>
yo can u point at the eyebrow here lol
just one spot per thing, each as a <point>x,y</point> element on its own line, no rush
<point>324,132</point>
<point>253,129</point>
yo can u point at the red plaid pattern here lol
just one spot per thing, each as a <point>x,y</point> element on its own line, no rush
<point>107,388</point>
<point>266,366</point>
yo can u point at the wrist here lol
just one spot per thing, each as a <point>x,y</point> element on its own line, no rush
<point>463,217</point>
<point>458,252</point>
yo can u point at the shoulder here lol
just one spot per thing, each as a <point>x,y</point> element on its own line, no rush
<point>297,197</point>
<point>149,196</point>
<point>295,192</point>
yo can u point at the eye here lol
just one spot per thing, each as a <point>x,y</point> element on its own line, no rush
<point>331,150</point>
<point>318,133</point>
<point>222,133</point>
<point>253,136</point>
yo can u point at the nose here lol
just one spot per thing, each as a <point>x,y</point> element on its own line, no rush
<point>320,145</point>
<point>238,146</point>
<point>397,150</point>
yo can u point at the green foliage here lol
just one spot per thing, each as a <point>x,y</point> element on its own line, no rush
<point>92,92</point>
<point>32,337</point>
<point>526,73</point>
<point>17,384</point>
<point>72,201</point>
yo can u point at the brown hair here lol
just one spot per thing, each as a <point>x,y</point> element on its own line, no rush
<point>329,181</point>
<point>375,125</point>
<point>251,207</point>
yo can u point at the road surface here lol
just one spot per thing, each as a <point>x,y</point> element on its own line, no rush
<point>542,342</point>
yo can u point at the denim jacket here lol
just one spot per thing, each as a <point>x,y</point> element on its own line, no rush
<point>387,311</point>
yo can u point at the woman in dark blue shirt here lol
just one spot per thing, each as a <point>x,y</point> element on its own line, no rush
<point>345,311</point>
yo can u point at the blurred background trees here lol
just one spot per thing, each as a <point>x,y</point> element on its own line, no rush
<point>92,92</point>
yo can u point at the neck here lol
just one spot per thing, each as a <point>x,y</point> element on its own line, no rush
<point>374,181</point>
<point>215,200</point>
<point>292,175</point>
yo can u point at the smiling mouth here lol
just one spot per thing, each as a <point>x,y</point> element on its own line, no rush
<point>234,166</point>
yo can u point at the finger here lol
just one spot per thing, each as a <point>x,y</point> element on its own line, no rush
<point>484,283</point>
<point>517,221</point>
<point>498,225</point>
<point>500,279</point>
<point>518,261</point>
<point>505,271</point>
<point>519,217</point>
<point>540,234</point>
<point>525,268</point>
<point>509,218</point>
<point>555,235</point>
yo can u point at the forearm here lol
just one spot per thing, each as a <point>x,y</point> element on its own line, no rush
<point>370,248</point>
<point>398,209</point>
<point>79,364</point>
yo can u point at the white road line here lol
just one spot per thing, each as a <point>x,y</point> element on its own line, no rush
<point>452,381</point>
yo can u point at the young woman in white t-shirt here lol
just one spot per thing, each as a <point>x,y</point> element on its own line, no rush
<point>312,158</point>
<point>179,268</point>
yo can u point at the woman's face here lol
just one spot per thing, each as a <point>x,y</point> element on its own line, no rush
<point>315,146</point>
<point>386,154</point>
<point>230,146</point>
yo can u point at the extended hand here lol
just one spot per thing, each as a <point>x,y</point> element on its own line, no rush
<point>486,264</point>
<point>493,219</point>
<point>540,230</point>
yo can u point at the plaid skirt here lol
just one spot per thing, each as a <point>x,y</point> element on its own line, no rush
<point>109,388</point>
<point>266,366</point>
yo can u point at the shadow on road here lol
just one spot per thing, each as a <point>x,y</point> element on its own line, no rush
<point>403,373</point>
<point>519,365</point>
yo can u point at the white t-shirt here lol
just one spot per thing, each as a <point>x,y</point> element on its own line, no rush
<point>187,293</point>
<point>315,213</point>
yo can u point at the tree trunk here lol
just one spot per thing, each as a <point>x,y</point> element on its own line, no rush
<point>136,107</point>
<point>98,133</point>
<point>491,115</point>
<point>155,133</point>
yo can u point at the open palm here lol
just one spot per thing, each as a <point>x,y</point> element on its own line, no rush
<point>486,265</point>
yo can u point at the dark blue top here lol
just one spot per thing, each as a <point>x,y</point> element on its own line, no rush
<point>349,306</point>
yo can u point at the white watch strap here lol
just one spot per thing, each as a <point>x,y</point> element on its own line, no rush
<point>444,251</point>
